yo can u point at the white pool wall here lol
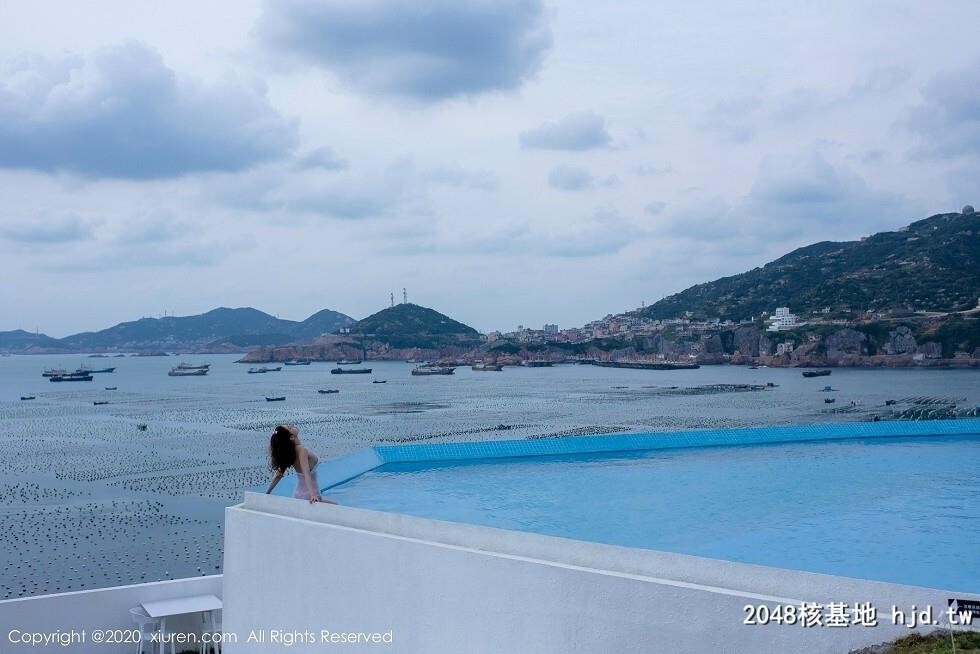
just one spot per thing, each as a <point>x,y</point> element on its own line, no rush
<point>448,587</point>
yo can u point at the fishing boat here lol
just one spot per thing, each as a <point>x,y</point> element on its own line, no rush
<point>350,362</point>
<point>380,381</point>
<point>536,364</point>
<point>829,400</point>
<point>85,370</point>
<point>54,372</point>
<point>100,402</point>
<point>280,398</point>
<point>191,366</point>
<point>827,389</point>
<point>422,371</point>
<point>299,362</point>
<point>487,367</point>
<point>263,369</point>
<point>110,388</point>
<point>71,377</point>
<point>187,372</point>
<point>816,373</point>
<point>327,391</point>
<point>27,397</point>
<point>350,371</point>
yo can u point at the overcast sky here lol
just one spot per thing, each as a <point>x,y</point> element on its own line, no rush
<point>508,161</point>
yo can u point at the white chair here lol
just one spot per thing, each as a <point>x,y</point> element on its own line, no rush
<point>148,627</point>
<point>211,624</point>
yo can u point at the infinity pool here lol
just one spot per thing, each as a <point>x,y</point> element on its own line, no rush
<point>904,510</point>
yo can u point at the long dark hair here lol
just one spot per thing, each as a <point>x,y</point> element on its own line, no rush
<point>282,452</point>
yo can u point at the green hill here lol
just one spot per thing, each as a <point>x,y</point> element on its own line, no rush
<point>410,325</point>
<point>931,265</point>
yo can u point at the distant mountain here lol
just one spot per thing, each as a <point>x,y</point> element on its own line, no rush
<point>220,328</point>
<point>412,326</point>
<point>18,340</point>
<point>321,322</point>
<point>931,265</point>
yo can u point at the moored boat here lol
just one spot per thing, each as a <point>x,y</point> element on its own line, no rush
<point>187,372</point>
<point>191,366</point>
<point>280,398</point>
<point>71,377</point>
<point>327,391</point>
<point>816,373</point>
<point>350,362</point>
<point>27,397</point>
<point>487,367</point>
<point>536,364</point>
<point>85,370</point>
<point>54,372</point>
<point>350,371</point>
<point>421,371</point>
<point>263,369</point>
<point>298,362</point>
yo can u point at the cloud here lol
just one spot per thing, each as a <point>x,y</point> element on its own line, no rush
<point>793,199</point>
<point>570,178</point>
<point>603,232</point>
<point>579,131</point>
<point>44,230</point>
<point>948,119</point>
<point>346,194</point>
<point>122,113</point>
<point>322,158</point>
<point>427,50</point>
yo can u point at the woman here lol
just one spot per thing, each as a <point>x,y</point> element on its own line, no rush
<point>285,450</point>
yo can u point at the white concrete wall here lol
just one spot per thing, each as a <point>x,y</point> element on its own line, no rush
<point>445,587</point>
<point>101,608</point>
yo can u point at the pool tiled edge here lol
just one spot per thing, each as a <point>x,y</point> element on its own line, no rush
<point>672,440</point>
<point>336,471</point>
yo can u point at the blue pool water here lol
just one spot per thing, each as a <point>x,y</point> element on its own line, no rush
<point>904,510</point>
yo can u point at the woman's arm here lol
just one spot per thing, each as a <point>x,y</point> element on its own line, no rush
<point>275,480</point>
<point>304,467</point>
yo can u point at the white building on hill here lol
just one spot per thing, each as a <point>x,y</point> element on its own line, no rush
<point>782,320</point>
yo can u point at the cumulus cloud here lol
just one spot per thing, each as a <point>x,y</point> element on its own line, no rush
<point>123,113</point>
<point>570,178</point>
<point>426,50</point>
<point>46,230</point>
<point>579,131</point>
<point>948,119</point>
